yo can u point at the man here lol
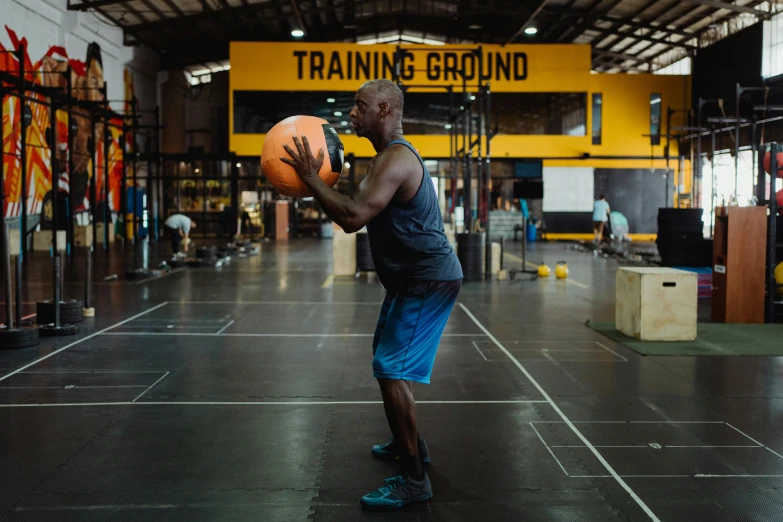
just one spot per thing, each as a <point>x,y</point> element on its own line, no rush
<point>414,262</point>
<point>600,217</point>
<point>178,226</point>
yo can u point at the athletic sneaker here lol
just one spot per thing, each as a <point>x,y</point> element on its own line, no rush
<point>398,492</point>
<point>392,450</point>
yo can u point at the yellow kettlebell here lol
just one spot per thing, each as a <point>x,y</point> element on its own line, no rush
<point>543,270</point>
<point>561,270</point>
<point>779,278</point>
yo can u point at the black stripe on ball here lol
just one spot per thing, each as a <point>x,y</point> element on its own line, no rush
<point>334,147</point>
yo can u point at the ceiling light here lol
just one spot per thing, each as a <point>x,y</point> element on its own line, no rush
<point>239,165</point>
<point>474,27</point>
<point>347,165</point>
<point>531,30</point>
<point>447,126</point>
<point>343,123</point>
<point>347,131</point>
<point>472,97</point>
<point>338,113</point>
<point>197,171</point>
<point>329,100</point>
<point>297,33</point>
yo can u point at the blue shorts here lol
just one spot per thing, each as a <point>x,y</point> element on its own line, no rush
<point>409,330</point>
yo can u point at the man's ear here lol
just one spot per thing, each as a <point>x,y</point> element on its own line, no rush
<point>383,109</point>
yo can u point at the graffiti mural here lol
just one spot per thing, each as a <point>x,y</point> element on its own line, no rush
<point>87,82</point>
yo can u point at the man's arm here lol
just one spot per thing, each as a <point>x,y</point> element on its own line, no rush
<point>372,196</point>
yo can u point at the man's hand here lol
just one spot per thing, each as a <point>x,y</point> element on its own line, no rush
<point>305,164</point>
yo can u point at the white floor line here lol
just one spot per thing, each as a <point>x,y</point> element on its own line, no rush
<point>745,434</point>
<point>152,386</point>
<point>596,446</point>
<point>675,422</point>
<point>38,372</point>
<point>737,476</point>
<point>225,327</point>
<point>201,334</point>
<point>550,449</point>
<point>354,303</point>
<point>773,452</point>
<point>632,476</point>
<point>247,403</point>
<point>83,339</point>
<point>711,447</point>
<point>480,352</point>
<point>611,351</point>
<point>562,415</point>
<point>150,279</point>
<point>67,387</point>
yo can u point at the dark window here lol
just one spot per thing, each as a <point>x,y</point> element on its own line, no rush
<point>255,112</point>
<point>655,118</point>
<point>598,106</point>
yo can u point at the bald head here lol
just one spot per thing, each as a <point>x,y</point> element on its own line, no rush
<point>386,91</point>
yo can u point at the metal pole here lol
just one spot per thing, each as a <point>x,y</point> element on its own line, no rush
<point>488,172</point>
<point>667,152</point>
<point>150,192</point>
<point>696,188</point>
<point>134,161</point>
<point>736,145</point>
<point>452,152</point>
<point>124,187</point>
<point>23,144</point>
<point>769,316</point>
<point>55,210</point>
<point>18,291</point>
<point>57,295</point>
<point>93,172</point>
<point>71,133</point>
<point>88,279</point>
<point>105,187</point>
<point>712,182</point>
<point>9,306</point>
<point>466,133</point>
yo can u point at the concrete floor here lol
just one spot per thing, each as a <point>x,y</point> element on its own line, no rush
<point>246,393</point>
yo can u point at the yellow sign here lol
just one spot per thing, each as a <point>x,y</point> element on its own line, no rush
<point>291,66</point>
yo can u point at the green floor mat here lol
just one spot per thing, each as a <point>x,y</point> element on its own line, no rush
<point>713,339</point>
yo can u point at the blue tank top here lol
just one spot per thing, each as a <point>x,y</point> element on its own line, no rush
<point>407,240</point>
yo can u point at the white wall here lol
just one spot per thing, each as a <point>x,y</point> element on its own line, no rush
<point>568,189</point>
<point>47,23</point>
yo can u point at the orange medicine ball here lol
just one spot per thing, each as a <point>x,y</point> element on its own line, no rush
<point>320,134</point>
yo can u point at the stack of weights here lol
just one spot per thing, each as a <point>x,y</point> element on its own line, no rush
<point>471,253</point>
<point>681,238</point>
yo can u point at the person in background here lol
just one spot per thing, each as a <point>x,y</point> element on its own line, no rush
<point>600,217</point>
<point>178,226</point>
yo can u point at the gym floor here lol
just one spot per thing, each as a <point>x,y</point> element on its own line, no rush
<point>246,393</point>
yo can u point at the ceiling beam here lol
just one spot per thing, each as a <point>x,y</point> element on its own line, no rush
<point>529,21</point>
<point>766,15</point>
<point>620,36</point>
<point>620,23</point>
<point>84,5</point>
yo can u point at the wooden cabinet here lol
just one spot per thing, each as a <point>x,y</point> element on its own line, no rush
<point>738,265</point>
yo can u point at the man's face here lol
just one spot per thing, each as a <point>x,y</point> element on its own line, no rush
<point>365,115</point>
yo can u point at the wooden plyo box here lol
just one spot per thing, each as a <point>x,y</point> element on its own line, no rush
<point>82,236</point>
<point>42,240</point>
<point>343,252</point>
<point>656,304</point>
<point>99,233</point>
<point>281,221</point>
